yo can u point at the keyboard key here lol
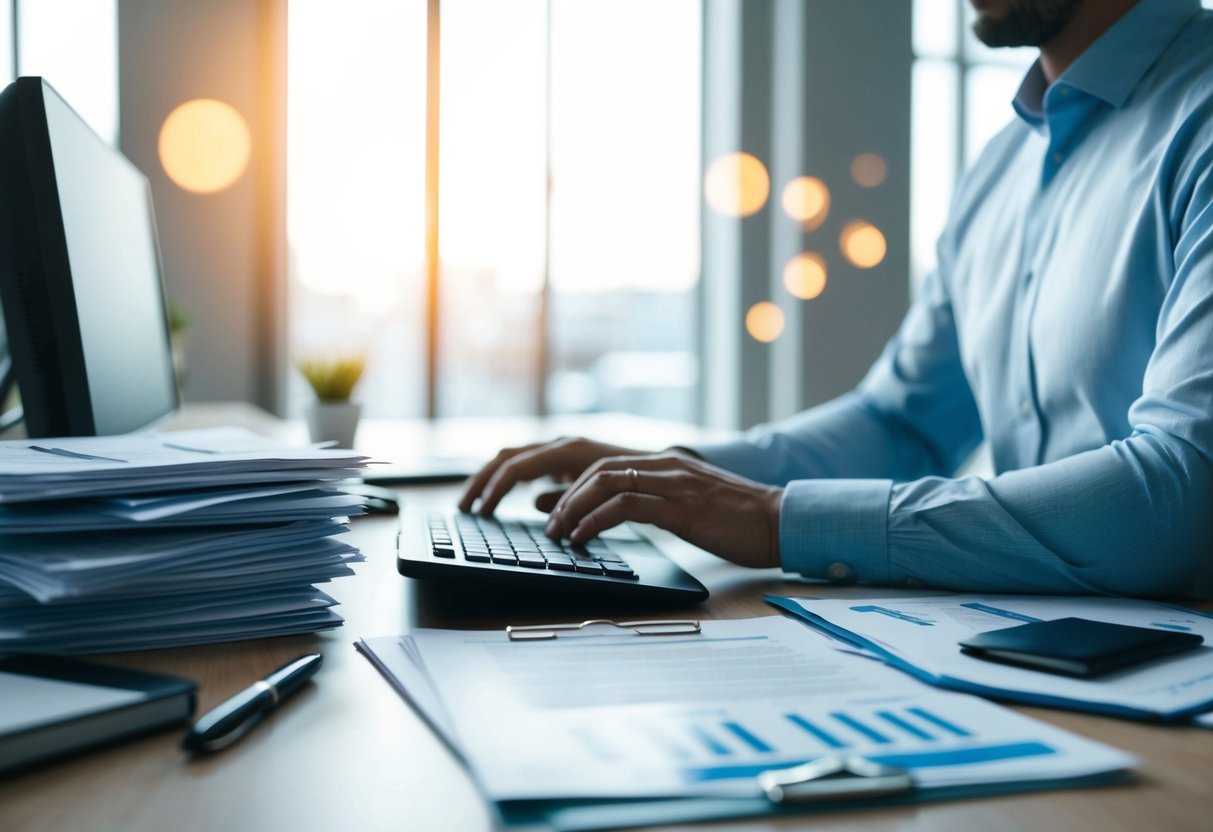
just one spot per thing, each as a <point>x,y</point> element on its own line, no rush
<point>562,565</point>
<point>479,557</point>
<point>504,559</point>
<point>443,551</point>
<point>618,570</point>
<point>534,561</point>
<point>593,567</point>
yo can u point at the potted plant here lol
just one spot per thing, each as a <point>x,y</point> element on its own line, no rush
<point>333,417</point>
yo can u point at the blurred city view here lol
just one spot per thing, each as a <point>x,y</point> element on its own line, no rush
<point>610,111</point>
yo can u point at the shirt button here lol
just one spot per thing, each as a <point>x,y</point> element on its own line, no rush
<point>1025,407</point>
<point>838,571</point>
<point>1057,157</point>
<point>1063,90</point>
<point>912,583</point>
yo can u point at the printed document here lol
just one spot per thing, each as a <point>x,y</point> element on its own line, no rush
<point>921,634</point>
<point>604,715</point>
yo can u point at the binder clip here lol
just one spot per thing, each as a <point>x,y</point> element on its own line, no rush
<point>547,632</point>
<point>834,778</point>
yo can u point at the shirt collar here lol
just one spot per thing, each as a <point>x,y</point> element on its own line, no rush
<point>1112,66</point>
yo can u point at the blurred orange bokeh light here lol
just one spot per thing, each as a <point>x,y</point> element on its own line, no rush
<point>764,321</point>
<point>204,145</point>
<point>805,275</point>
<point>862,244</point>
<point>736,185</point>
<point>806,199</point>
<point>869,170</point>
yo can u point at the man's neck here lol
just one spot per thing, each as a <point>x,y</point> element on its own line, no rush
<point>1092,19</point>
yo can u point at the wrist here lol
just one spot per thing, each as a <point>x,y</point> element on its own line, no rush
<point>774,502</point>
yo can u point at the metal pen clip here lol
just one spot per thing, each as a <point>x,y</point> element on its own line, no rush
<point>834,778</point>
<point>547,632</point>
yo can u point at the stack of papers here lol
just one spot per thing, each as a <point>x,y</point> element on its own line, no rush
<point>158,540</point>
<point>604,729</point>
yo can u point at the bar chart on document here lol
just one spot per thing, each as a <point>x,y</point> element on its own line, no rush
<point>611,715</point>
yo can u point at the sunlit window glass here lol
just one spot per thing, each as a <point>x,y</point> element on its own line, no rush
<point>355,193</point>
<point>6,41</point>
<point>492,205</point>
<point>935,28</point>
<point>988,92</point>
<point>74,45</point>
<point>625,205</point>
<point>932,158</point>
<point>962,93</point>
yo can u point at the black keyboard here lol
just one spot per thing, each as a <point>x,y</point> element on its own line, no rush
<point>455,546</point>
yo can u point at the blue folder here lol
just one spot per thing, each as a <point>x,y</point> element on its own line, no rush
<point>1043,700</point>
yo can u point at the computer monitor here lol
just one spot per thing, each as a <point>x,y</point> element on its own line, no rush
<point>80,276</point>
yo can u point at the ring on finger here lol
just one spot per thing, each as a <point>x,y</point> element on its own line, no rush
<point>633,478</point>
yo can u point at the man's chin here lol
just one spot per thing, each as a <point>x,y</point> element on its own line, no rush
<point>1023,22</point>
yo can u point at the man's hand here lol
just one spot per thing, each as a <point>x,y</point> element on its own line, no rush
<point>563,459</point>
<point>725,514</point>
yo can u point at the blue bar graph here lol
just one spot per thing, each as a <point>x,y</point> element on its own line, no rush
<point>910,728</point>
<point>664,743</point>
<point>712,744</point>
<point>748,738</point>
<point>913,759</point>
<point>1014,616</point>
<point>939,721</point>
<point>824,736</point>
<point>965,756</point>
<point>900,616</point>
<point>594,744</point>
<point>857,726</point>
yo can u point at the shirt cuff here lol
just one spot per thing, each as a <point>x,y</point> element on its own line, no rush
<point>836,529</point>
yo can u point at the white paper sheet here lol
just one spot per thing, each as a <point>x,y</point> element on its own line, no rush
<point>923,633</point>
<point>620,716</point>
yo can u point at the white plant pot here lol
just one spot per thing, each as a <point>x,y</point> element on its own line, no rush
<point>334,422</point>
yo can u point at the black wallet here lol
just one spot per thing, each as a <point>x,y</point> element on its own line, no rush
<point>1076,646</point>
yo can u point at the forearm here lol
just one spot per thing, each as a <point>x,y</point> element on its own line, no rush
<point>1130,518</point>
<point>852,436</point>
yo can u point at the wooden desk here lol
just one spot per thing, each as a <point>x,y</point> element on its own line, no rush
<point>348,754</point>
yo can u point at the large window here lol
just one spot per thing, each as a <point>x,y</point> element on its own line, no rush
<point>74,45</point>
<point>962,96</point>
<point>6,41</point>
<point>568,202</point>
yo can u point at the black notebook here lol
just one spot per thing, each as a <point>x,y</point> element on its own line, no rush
<point>51,707</point>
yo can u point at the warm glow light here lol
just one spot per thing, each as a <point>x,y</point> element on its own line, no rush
<point>736,185</point>
<point>806,199</point>
<point>869,170</point>
<point>805,275</point>
<point>204,145</point>
<point>862,244</point>
<point>764,321</point>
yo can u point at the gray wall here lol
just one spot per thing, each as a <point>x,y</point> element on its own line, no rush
<point>804,85</point>
<point>223,252</point>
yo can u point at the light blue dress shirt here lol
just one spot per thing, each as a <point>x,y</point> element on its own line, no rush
<point>1070,325</point>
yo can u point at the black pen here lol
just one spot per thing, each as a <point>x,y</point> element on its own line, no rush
<point>230,721</point>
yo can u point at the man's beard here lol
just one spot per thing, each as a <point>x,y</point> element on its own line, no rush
<point>1027,23</point>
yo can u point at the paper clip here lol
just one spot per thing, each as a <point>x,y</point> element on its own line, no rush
<point>834,778</point>
<point>546,632</point>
